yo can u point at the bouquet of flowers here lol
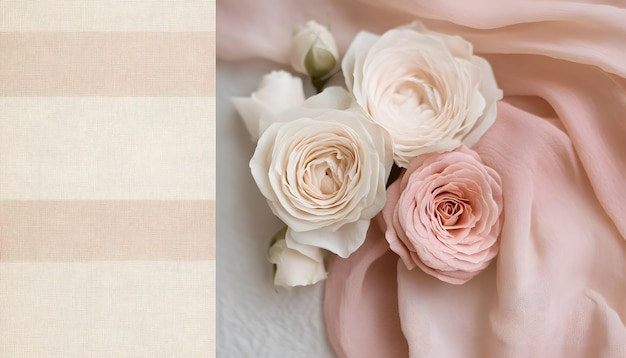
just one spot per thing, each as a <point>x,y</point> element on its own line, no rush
<point>414,104</point>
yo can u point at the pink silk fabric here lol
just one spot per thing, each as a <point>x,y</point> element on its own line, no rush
<point>558,285</point>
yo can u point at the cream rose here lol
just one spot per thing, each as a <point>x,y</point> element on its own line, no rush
<point>323,168</point>
<point>278,91</point>
<point>294,268</point>
<point>426,89</point>
<point>313,50</point>
<point>443,215</point>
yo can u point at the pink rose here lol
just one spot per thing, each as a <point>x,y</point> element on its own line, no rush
<point>443,215</point>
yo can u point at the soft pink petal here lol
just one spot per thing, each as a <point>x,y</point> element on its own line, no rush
<point>361,308</point>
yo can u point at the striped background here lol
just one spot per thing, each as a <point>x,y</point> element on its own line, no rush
<point>107,199</point>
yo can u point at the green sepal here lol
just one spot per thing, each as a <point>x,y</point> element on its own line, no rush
<point>318,62</point>
<point>280,234</point>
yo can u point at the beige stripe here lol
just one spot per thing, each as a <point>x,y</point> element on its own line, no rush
<point>105,16</point>
<point>107,310</point>
<point>107,64</point>
<point>86,148</point>
<point>106,230</point>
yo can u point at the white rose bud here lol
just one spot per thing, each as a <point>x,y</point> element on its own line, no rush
<point>313,50</point>
<point>294,268</point>
<point>278,91</point>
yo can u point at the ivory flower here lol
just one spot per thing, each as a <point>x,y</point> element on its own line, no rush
<point>426,89</point>
<point>294,268</point>
<point>313,50</point>
<point>323,168</point>
<point>278,91</point>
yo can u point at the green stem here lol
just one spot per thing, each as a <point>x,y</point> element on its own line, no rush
<point>320,82</point>
<point>278,235</point>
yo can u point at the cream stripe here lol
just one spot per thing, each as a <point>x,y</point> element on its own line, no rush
<point>107,64</point>
<point>107,148</point>
<point>105,16</point>
<point>102,310</point>
<point>106,230</point>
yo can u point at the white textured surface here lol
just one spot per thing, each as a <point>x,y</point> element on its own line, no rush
<point>253,320</point>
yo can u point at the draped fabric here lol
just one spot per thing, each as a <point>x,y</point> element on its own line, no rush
<point>557,288</point>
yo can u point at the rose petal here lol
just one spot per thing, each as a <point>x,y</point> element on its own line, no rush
<point>342,242</point>
<point>446,215</point>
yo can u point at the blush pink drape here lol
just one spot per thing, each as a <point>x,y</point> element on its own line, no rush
<point>558,286</point>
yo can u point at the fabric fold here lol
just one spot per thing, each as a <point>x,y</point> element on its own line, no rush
<point>556,245</point>
<point>360,304</point>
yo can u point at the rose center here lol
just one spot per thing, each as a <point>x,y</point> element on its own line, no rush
<point>328,184</point>
<point>327,174</point>
<point>449,211</point>
<point>415,97</point>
